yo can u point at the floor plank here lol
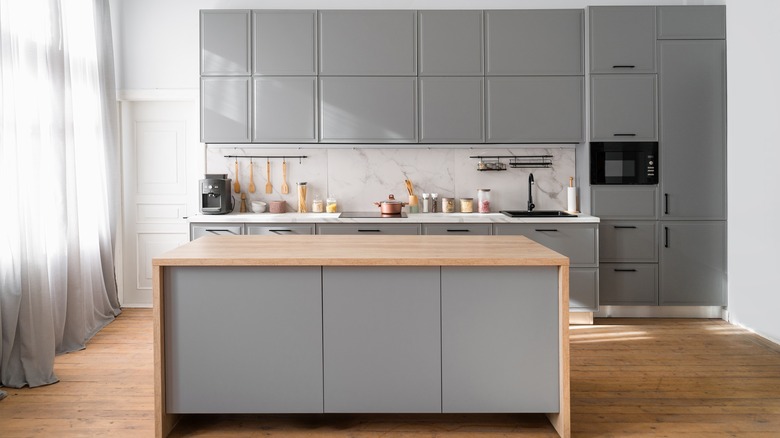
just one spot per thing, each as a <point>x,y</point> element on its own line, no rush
<point>630,378</point>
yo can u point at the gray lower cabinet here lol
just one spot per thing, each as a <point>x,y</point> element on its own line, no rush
<point>623,108</point>
<point>624,202</point>
<point>693,129</point>
<point>225,109</point>
<point>285,109</point>
<point>622,39</point>
<point>452,110</point>
<point>382,332</point>
<point>578,242</point>
<point>488,334</point>
<point>584,289</point>
<point>369,229</point>
<point>451,43</point>
<point>535,109</point>
<point>628,241</point>
<point>265,355</point>
<point>280,229</point>
<point>456,229</point>
<point>628,284</point>
<point>368,42</point>
<point>368,109</point>
<point>284,42</point>
<point>224,42</point>
<point>200,230</point>
<point>534,42</point>
<point>703,22</point>
<point>693,263</point>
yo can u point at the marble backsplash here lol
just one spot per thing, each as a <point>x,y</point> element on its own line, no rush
<point>359,176</point>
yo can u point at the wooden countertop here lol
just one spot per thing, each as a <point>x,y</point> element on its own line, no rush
<point>318,250</point>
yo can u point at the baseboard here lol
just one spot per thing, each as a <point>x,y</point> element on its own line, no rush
<point>707,312</point>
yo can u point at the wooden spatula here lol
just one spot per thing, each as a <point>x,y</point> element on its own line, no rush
<point>251,176</point>
<point>269,188</point>
<point>285,188</point>
<point>237,185</point>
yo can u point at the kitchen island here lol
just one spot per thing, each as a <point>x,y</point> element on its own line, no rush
<point>361,324</point>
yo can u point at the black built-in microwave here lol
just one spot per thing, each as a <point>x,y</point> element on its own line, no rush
<point>624,163</point>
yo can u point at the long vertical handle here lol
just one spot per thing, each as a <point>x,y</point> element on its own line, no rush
<point>666,237</point>
<point>666,203</point>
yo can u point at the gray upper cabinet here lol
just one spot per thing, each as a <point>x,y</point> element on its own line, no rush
<point>368,109</point>
<point>368,43</point>
<point>451,43</point>
<point>535,109</point>
<point>693,129</point>
<point>224,43</point>
<point>285,43</point>
<point>285,109</point>
<point>224,106</point>
<point>693,263</point>
<point>452,110</point>
<point>535,42</point>
<point>692,22</point>
<point>622,39</point>
<point>623,107</point>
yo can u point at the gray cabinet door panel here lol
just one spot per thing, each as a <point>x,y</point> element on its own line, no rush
<point>628,284</point>
<point>456,229</point>
<point>224,106</point>
<point>197,231</point>
<point>224,42</point>
<point>255,347</point>
<point>628,241</point>
<point>381,43</point>
<point>693,129</point>
<point>613,202</point>
<point>578,242</point>
<point>623,108</point>
<point>285,109</point>
<point>451,110</point>
<point>693,263</point>
<point>622,39</point>
<point>535,42</point>
<point>285,42</point>
<point>451,43</point>
<point>692,22</point>
<point>368,110</point>
<point>584,289</point>
<point>369,229</point>
<point>280,229</point>
<point>535,109</point>
<point>381,326</point>
<point>488,334</point>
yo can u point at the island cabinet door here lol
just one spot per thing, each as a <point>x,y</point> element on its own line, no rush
<point>381,339</point>
<point>252,347</point>
<point>499,339</point>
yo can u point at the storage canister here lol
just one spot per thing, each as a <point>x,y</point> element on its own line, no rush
<point>466,205</point>
<point>448,205</point>
<point>483,200</point>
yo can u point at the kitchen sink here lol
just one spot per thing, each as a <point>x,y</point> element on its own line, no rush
<point>537,213</point>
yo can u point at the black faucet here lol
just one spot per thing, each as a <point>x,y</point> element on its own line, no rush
<point>531,205</point>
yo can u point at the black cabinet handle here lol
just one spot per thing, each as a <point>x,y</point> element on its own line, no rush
<point>666,237</point>
<point>624,135</point>
<point>625,227</point>
<point>546,229</point>
<point>280,231</point>
<point>666,203</point>
<point>623,66</point>
<point>360,230</point>
<point>457,230</point>
<point>625,270</point>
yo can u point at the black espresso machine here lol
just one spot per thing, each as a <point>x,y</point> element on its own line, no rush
<point>215,197</point>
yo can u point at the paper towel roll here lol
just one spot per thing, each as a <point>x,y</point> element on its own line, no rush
<point>572,198</point>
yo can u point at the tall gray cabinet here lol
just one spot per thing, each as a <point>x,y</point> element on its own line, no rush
<point>666,245</point>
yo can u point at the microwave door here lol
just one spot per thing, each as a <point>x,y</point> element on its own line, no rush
<point>619,167</point>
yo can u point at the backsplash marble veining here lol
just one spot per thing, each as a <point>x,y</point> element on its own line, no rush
<point>359,176</point>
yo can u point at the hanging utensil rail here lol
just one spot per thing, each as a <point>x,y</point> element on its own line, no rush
<point>268,157</point>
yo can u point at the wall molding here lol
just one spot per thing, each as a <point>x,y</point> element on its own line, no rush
<point>158,95</point>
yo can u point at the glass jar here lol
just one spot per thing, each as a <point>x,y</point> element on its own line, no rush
<point>448,205</point>
<point>301,197</point>
<point>426,203</point>
<point>434,202</point>
<point>483,200</point>
<point>317,205</point>
<point>466,205</point>
<point>332,206</point>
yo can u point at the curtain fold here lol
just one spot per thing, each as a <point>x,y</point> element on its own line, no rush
<point>59,162</point>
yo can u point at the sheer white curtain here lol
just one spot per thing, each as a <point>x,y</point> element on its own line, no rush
<point>59,173</point>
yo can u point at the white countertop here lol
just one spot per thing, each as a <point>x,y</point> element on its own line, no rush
<point>333,218</point>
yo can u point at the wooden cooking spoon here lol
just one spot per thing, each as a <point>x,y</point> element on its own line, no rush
<point>285,188</point>
<point>251,176</point>
<point>269,188</point>
<point>237,185</point>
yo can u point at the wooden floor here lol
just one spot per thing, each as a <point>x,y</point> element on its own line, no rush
<point>630,377</point>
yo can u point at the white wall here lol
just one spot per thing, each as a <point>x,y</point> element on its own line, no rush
<point>754,160</point>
